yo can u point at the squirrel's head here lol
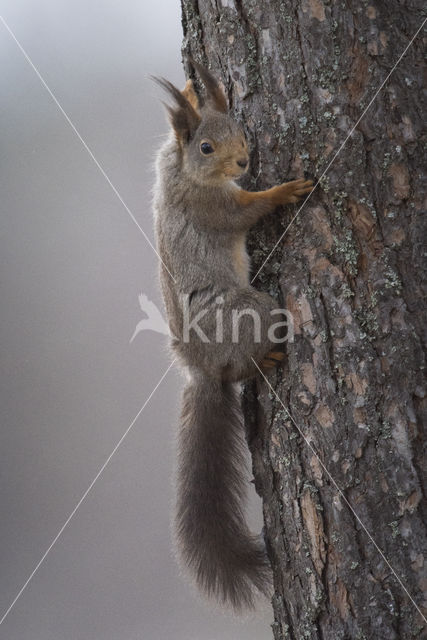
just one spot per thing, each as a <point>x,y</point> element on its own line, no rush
<point>213,145</point>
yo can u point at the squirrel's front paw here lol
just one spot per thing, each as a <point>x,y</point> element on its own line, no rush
<point>293,191</point>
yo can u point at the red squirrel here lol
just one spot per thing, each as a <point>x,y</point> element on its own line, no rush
<point>201,218</point>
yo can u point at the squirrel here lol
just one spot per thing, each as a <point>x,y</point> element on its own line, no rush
<point>201,220</point>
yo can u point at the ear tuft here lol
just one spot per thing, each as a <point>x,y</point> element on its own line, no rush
<point>189,93</point>
<point>214,92</point>
<point>183,117</point>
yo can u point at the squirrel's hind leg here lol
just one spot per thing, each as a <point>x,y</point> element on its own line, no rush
<point>249,343</point>
<point>234,337</point>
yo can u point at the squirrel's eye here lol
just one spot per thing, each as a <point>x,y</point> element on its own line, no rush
<point>206,148</point>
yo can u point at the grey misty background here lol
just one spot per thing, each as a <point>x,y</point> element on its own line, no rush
<point>72,266</point>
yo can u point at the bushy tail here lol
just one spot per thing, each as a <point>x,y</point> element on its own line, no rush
<point>214,542</point>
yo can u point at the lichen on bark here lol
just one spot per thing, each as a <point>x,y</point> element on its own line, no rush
<point>352,271</point>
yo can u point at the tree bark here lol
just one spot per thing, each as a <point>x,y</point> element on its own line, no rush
<point>351,269</point>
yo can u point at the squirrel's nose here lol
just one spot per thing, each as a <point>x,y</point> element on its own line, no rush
<point>242,163</point>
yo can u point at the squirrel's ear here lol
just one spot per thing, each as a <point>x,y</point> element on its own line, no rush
<point>183,117</point>
<point>214,92</point>
<point>190,95</point>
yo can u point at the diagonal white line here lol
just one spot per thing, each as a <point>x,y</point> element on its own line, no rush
<point>336,154</point>
<point>343,496</point>
<point>42,559</point>
<point>85,145</point>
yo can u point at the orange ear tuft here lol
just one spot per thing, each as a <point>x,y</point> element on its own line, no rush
<point>189,94</point>
<point>214,92</point>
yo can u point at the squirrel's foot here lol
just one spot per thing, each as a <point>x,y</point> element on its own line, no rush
<point>294,190</point>
<point>272,359</point>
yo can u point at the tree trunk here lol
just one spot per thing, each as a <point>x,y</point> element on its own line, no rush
<point>344,502</point>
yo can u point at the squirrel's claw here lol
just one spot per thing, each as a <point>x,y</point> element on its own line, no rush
<point>295,189</point>
<point>272,359</point>
<point>303,186</point>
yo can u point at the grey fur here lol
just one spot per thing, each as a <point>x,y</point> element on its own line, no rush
<point>201,229</point>
<point>216,545</point>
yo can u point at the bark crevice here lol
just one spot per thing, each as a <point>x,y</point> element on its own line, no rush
<point>352,271</point>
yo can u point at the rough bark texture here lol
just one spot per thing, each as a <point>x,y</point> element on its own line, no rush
<point>351,269</point>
